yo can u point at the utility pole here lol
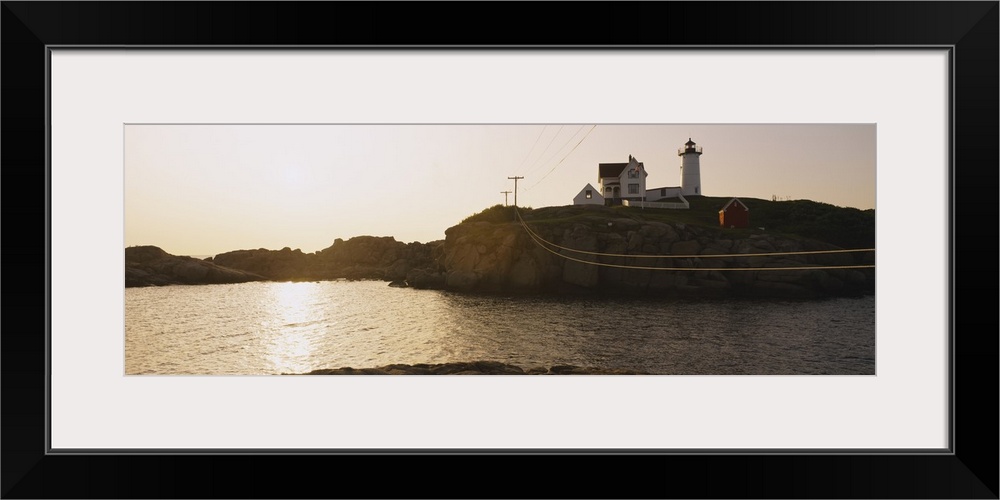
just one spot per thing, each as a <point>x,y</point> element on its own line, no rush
<point>505,193</point>
<point>515,187</point>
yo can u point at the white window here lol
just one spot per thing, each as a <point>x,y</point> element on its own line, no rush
<point>589,194</point>
<point>633,189</point>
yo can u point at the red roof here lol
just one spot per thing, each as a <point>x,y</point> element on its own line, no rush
<point>737,201</point>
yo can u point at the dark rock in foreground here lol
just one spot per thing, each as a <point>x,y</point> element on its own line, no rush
<point>471,368</point>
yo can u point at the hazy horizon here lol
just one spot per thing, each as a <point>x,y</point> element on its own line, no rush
<point>209,189</point>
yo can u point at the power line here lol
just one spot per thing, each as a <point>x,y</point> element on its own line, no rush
<point>699,256</point>
<point>539,241</point>
<point>533,164</point>
<point>564,157</point>
<point>556,153</point>
<point>532,147</point>
<point>651,268</point>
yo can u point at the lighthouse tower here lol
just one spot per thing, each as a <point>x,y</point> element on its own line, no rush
<point>690,168</point>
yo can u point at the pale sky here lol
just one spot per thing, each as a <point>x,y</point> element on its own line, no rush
<point>208,189</point>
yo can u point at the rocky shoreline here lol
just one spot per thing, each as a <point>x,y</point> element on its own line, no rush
<point>151,266</point>
<point>469,368</point>
<point>559,250</point>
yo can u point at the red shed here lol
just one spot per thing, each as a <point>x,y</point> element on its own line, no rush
<point>734,214</point>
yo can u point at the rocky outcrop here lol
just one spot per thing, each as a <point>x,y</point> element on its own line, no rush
<point>371,257</point>
<point>151,266</point>
<point>283,265</point>
<point>567,249</point>
<point>361,257</point>
<point>471,368</point>
<point>426,278</point>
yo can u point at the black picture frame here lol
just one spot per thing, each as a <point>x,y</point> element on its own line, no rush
<point>969,28</point>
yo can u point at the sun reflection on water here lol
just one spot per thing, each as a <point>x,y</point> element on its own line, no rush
<point>295,313</point>
<point>269,328</point>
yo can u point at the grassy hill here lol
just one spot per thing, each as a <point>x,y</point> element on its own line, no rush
<point>841,226</point>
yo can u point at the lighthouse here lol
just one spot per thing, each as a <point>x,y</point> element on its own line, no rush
<point>690,168</point>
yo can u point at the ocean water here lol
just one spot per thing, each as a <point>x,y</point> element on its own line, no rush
<point>274,328</point>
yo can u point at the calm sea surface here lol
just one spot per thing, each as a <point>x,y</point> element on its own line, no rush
<point>272,328</point>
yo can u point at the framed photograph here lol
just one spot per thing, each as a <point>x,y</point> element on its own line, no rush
<point>263,178</point>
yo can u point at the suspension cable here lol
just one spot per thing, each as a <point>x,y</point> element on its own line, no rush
<point>542,243</point>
